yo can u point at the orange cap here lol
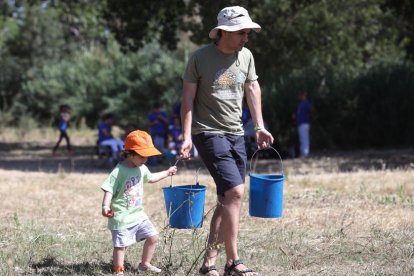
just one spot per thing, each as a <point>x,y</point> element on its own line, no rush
<point>141,142</point>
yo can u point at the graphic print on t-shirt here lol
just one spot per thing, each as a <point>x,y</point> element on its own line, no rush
<point>133,191</point>
<point>225,83</point>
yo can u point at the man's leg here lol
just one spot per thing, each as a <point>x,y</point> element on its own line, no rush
<point>224,226</point>
<point>307,140</point>
<point>215,238</point>
<point>303,130</point>
<point>225,159</point>
<point>230,225</point>
<point>230,217</point>
<point>302,134</point>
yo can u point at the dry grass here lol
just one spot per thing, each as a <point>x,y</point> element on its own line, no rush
<point>344,214</point>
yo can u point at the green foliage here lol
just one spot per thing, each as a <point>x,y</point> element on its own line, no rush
<point>371,110</point>
<point>323,36</point>
<point>82,23</point>
<point>135,23</point>
<point>203,16</point>
<point>326,48</point>
<point>9,29</point>
<point>109,56</point>
<point>37,36</point>
<point>385,114</point>
<point>40,37</point>
<point>100,80</point>
<point>403,13</point>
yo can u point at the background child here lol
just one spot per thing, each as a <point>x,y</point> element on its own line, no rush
<point>64,117</point>
<point>122,201</point>
<point>105,137</point>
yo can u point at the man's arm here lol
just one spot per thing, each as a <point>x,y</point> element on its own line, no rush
<point>253,94</point>
<point>187,102</point>
<point>254,101</point>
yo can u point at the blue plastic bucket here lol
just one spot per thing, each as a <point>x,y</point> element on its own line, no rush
<point>266,193</point>
<point>185,206</point>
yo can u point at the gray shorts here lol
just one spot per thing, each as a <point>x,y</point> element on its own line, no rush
<point>133,234</point>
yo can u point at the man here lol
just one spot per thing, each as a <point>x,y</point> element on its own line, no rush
<point>215,81</point>
<point>303,115</point>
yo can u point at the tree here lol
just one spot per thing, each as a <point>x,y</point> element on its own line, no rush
<point>36,38</point>
<point>323,35</point>
<point>99,80</point>
<point>312,45</point>
<point>403,18</point>
<point>202,16</point>
<point>136,23</point>
<point>38,33</point>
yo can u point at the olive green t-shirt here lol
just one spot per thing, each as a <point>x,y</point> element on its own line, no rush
<point>126,185</point>
<point>220,82</point>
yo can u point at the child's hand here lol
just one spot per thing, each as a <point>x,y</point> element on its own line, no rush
<point>109,213</point>
<point>172,170</point>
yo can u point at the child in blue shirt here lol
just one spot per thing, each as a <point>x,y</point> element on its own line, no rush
<point>64,117</point>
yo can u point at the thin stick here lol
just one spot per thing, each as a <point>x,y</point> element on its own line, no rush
<point>175,164</point>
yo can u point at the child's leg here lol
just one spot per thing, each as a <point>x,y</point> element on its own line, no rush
<point>66,136</point>
<point>118,256</point>
<point>58,142</point>
<point>148,251</point>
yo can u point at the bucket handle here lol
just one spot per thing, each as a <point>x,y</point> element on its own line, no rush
<point>175,164</point>
<point>196,176</point>
<point>281,162</point>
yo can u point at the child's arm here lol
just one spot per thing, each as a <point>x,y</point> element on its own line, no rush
<point>155,177</point>
<point>106,205</point>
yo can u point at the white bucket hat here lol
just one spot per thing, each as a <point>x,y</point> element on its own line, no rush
<point>233,19</point>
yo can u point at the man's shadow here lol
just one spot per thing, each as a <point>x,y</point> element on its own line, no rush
<point>51,266</point>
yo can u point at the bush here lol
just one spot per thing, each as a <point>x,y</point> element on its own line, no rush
<point>99,81</point>
<point>374,109</point>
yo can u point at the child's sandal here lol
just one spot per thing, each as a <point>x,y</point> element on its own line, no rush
<point>118,270</point>
<point>233,271</point>
<point>206,270</point>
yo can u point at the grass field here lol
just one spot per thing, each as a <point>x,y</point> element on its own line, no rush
<point>344,214</point>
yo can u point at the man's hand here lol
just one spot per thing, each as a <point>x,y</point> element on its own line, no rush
<point>264,139</point>
<point>185,152</point>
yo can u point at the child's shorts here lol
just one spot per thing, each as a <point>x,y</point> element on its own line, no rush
<point>133,234</point>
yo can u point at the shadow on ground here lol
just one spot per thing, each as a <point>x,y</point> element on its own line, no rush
<point>51,266</point>
<point>32,157</point>
<point>35,158</point>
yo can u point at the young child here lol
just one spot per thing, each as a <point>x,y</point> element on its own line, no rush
<point>64,117</point>
<point>122,201</point>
